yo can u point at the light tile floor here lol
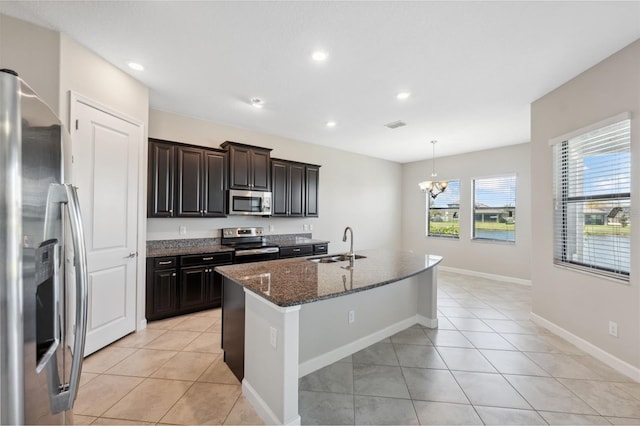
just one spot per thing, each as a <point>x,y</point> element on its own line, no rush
<point>170,373</point>
<point>487,363</point>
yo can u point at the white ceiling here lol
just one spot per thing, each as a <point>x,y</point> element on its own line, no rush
<point>472,68</point>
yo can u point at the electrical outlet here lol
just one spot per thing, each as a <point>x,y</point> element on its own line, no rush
<point>352,317</point>
<point>273,337</point>
<point>613,328</point>
<point>311,227</point>
<point>305,227</point>
<point>272,228</point>
<point>182,230</point>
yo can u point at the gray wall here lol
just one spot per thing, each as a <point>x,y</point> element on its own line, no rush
<point>579,303</point>
<point>355,190</point>
<point>34,53</point>
<point>495,258</point>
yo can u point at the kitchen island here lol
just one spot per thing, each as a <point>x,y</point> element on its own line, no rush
<point>284,319</point>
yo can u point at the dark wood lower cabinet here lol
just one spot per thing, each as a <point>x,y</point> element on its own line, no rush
<point>193,287</point>
<point>182,284</point>
<point>304,250</point>
<point>164,291</point>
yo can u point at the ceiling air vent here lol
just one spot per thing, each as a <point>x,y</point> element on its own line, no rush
<point>395,124</point>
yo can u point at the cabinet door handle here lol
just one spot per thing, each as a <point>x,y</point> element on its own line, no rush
<point>205,212</point>
<point>173,275</point>
<point>296,249</point>
<point>170,211</point>
<point>166,262</point>
<point>207,258</point>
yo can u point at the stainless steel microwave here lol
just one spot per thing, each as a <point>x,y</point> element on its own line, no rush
<point>249,202</point>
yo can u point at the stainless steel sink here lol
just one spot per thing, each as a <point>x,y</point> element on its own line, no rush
<point>332,258</point>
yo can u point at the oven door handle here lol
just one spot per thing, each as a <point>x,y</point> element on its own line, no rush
<point>266,250</point>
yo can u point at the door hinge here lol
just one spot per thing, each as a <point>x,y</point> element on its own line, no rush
<point>77,124</point>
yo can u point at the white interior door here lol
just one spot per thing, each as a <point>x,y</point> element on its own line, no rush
<point>105,170</point>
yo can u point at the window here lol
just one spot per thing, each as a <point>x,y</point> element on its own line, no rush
<point>443,213</point>
<point>592,176</point>
<point>494,208</point>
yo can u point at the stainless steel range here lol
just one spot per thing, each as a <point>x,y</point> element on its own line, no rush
<point>250,244</point>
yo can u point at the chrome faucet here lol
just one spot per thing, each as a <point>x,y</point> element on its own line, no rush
<point>351,254</point>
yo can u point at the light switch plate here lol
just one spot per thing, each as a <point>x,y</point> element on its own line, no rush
<point>182,230</point>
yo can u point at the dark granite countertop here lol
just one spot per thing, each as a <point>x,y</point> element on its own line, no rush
<point>289,282</point>
<point>186,246</point>
<point>178,247</point>
<point>300,241</point>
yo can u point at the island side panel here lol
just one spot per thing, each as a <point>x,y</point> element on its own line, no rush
<point>428,298</point>
<point>233,326</point>
<point>271,359</point>
<point>326,335</point>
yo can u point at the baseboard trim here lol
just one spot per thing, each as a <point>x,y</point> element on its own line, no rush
<point>337,354</point>
<point>503,278</point>
<point>142,324</point>
<point>593,350</point>
<point>427,322</point>
<point>262,408</point>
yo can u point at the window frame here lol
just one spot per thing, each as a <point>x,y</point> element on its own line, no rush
<point>561,179</point>
<point>429,201</point>
<point>473,208</point>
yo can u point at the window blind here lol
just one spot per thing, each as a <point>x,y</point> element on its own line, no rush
<point>592,203</point>
<point>494,208</point>
<point>443,212</point>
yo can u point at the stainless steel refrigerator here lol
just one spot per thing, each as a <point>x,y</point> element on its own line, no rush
<point>43,304</point>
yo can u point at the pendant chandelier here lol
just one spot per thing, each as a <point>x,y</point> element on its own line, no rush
<point>433,187</point>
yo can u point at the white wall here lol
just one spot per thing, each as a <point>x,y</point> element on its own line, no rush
<point>496,258</point>
<point>579,303</point>
<point>355,190</point>
<point>34,53</point>
<point>87,74</point>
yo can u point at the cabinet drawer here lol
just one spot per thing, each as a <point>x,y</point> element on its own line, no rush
<point>164,262</point>
<point>206,259</point>
<point>320,248</point>
<point>296,251</point>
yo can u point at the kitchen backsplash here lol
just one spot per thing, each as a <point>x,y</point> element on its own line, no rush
<point>196,242</point>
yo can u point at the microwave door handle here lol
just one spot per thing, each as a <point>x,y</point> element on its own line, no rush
<point>66,393</point>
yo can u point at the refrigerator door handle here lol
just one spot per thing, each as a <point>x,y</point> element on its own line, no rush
<point>82,291</point>
<point>66,393</point>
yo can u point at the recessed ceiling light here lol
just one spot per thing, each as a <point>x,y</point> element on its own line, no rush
<point>395,124</point>
<point>257,102</point>
<point>331,124</point>
<point>135,66</point>
<point>403,95</point>
<point>319,55</point>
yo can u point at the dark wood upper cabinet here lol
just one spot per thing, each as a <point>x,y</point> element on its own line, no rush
<point>189,183</point>
<point>192,181</point>
<point>312,186</point>
<point>296,189</point>
<point>161,179</point>
<point>260,161</point>
<point>215,182</point>
<point>248,167</point>
<point>291,190</point>
<point>186,180</point>
<point>279,198</point>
